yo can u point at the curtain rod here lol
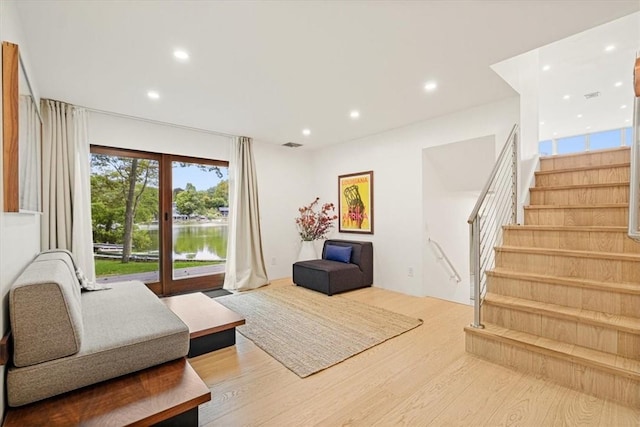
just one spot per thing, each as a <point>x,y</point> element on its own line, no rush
<point>156,122</point>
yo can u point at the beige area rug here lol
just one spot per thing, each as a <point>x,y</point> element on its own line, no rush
<point>308,331</point>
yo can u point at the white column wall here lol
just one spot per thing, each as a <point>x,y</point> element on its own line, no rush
<point>396,159</point>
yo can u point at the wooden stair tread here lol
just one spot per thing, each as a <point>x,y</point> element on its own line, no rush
<point>621,287</point>
<point>611,363</point>
<point>535,227</point>
<point>584,153</point>
<point>622,323</point>
<point>604,205</point>
<point>583,168</point>
<point>621,256</point>
<point>580,186</point>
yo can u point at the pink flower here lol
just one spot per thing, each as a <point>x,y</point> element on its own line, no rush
<point>314,225</point>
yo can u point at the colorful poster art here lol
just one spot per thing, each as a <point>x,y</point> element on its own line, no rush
<point>356,203</point>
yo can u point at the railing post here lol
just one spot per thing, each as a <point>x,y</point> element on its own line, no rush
<point>514,179</point>
<point>475,271</point>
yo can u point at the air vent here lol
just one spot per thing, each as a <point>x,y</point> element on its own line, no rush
<point>592,95</point>
<point>292,145</point>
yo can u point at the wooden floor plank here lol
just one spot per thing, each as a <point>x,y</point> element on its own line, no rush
<point>423,377</point>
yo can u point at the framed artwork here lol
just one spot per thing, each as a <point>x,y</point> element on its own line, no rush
<point>355,206</point>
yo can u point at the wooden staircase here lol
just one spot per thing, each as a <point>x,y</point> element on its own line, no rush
<point>563,301</point>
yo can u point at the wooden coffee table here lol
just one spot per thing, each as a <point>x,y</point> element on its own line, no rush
<point>212,326</point>
<point>167,394</point>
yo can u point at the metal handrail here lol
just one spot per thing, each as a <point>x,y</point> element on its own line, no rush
<point>634,186</point>
<point>443,256</point>
<point>496,206</point>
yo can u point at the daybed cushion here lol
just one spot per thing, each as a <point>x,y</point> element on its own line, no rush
<point>45,311</point>
<point>126,329</point>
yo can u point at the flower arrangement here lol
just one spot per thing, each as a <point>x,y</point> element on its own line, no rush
<point>313,224</point>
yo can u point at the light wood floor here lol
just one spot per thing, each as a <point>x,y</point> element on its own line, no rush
<point>423,377</point>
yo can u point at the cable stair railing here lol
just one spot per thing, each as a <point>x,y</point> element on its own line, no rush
<point>634,178</point>
<point>496,207</point>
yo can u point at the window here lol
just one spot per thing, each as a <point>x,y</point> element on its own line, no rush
<point>572,144</point>
<point>159,218</point>
<point>545,148</point>
<point>606,139</point>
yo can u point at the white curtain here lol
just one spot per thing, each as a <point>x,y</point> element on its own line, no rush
<point>245,268</point>
<point>29,155</point>
<point>66,221</point>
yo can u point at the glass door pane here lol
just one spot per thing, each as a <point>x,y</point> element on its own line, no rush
<point>200,205</point>
<point>125,213</point>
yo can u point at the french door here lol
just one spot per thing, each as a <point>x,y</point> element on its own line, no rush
<point>159,218</point>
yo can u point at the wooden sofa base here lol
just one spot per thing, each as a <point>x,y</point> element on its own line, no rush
<point>167,394</point>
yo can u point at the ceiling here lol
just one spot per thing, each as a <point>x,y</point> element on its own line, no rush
<point>270,69</point>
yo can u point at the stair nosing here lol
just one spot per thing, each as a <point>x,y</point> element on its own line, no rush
<point>583,168</point>
<point>584,153</point>
<point>572,228</point>
<point>619,287</point>
<point>603,205</point>
<point>488,330</point>
<point>580,186</point>
<point>623,256</point>
<point>580,315</point>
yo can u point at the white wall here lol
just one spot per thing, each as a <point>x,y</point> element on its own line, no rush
<point>452,181</point>
<point>396,159</point>
<point>283,179</point>
<point>19,233</point>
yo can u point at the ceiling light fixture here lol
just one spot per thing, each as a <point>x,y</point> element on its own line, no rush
<point>152,94</point>
<point>588,127</point>
<point>610,48</point>
<point>618,84</point>
<point>354,114</point>
<point>555,133</point>
<point>566,97</point>
<point>180,55</point>
<point>541,123</point>
<point>546,68</point>
<point>622,107</point>
<point>430,86</point>
<point>306,132</point>
<point>579,116</point>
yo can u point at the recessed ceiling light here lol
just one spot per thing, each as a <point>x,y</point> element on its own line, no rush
<point>566,97</point>
<point>626,120</point>
<point>618,84</point>
<point>579,116</point>
<point>180,55</point>
<point>152,94</point>
<point>610,48</point>
<point>306,132</point>
<point>354,114</point>
<point>546,68</point>
<point>588,127</point>
<point>555,133</point>
<point>622,107</point>
<point>541,123</point>
<point>430,86</point>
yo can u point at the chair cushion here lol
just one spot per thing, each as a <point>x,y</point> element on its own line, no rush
<point>338,253</point>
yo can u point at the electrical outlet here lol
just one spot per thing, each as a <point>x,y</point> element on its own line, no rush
<point>410,271</point>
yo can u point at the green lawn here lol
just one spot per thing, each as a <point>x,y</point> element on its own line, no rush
<point>108,267</point>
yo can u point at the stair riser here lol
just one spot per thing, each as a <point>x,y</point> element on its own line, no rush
<point>594,158</point>
<point>580,196</point>
<point>583,177</point>
<point>567,331</point>
<point>617,216</point>
<point>569,296</point>
<point>598,241</point>
<point>568,266</point>
<point>562,371</point>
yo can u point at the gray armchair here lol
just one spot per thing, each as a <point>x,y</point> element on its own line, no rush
<point>332,277</point>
